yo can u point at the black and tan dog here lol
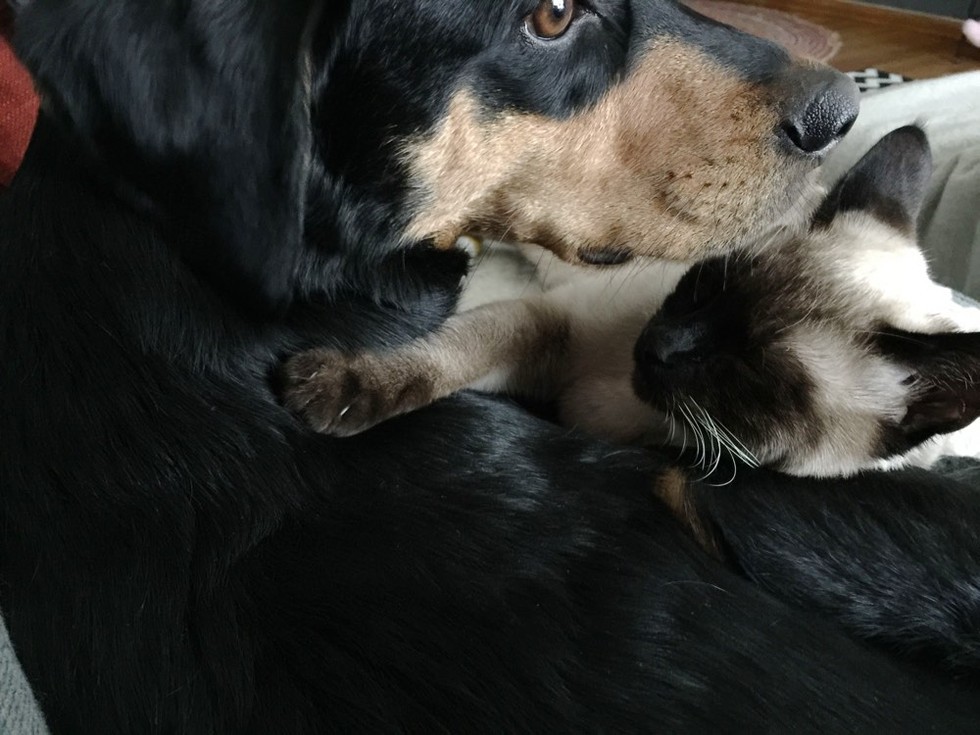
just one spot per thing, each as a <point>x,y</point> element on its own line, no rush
<point>215,185</point>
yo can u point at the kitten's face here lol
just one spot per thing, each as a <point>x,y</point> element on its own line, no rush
<point>800,355</point>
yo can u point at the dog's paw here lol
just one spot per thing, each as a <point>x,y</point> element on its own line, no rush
<point>343,394</point>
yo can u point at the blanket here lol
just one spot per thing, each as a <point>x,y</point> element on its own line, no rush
<point>19,713</point>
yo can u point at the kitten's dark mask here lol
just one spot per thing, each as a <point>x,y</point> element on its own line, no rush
<point>790,356</point>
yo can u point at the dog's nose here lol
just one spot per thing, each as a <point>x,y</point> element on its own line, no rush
<point>821,106</point>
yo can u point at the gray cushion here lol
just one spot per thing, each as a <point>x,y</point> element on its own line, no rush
<point>19,713</point>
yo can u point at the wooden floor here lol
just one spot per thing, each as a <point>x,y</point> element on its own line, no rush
<point>916,45</point>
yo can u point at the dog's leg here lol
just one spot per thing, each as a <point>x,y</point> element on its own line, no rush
<point>508,345</point>
<point>894,557</point>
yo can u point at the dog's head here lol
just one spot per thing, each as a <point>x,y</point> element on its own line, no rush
<point>598,128</point>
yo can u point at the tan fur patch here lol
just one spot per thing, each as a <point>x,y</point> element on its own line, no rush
<point>676,161</point>
<point>674,488</point>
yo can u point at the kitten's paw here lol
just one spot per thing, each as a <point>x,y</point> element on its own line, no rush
<point>343,394</point>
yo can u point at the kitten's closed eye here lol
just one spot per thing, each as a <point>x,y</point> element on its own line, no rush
<point>700,288</point>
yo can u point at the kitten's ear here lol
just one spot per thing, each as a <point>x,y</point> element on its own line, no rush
<point>200,109</point>
<point>945,390</point>
<point>889,182</point>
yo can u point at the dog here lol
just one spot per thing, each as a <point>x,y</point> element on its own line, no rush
<point>800,358</point>
<point>215,186</point>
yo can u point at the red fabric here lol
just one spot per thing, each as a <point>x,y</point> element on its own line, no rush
<point>18,107</point>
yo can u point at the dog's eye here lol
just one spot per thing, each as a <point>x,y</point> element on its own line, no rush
<point>551,18</point>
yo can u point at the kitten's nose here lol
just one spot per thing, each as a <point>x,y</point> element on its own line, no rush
<point>665,345</point>
<point>821,107</point>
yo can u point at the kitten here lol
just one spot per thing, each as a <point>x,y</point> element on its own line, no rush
<point>833,353</point>
<point>830,352</point>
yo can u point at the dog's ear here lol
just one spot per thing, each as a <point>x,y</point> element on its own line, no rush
<point>888,183</point>
<point>202,107</point>
<point>944,387</point>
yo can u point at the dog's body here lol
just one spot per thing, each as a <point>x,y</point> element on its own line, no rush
<point>180,554</point>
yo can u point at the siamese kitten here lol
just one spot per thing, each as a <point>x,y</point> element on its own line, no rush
<point>830,352</point>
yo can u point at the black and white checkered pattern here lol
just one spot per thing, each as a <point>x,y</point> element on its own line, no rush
<point>871,79</point>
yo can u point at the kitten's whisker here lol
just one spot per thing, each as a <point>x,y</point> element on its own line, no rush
<point>705,436</point>
<point>698,439</point>
<point>686,426</point>
<point>697,435</point>
<point>673,425</point>
<point>728,440</point>
<point>711,447</point>
<point>730,480</point>
<point>718,444</point>
<point>693,433</point>
<point>713,430</point>
<point>723,435</point>
<point>736,446</point>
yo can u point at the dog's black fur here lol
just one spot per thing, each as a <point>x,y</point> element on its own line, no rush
<point>891,556</point>
<point>180,554</point>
